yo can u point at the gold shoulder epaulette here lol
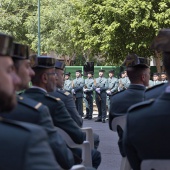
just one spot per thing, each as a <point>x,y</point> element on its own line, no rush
<point>52,97</point>
<point>29,102</point>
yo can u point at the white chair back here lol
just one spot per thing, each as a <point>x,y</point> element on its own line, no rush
<point>155,164</point>
<point>120,120</point>
<point>86,151</point>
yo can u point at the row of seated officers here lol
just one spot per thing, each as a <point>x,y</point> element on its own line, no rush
<point>146,134</point>
<point>29,139</point>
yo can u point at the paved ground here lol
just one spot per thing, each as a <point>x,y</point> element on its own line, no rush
<point>108,144</point>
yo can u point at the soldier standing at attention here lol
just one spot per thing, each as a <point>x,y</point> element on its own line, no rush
<point>88,93</point>
<point>67,82</point>
<point>100,86</point>
<point>77,91</point>
<point>124,81</point>
<point>112,86</point>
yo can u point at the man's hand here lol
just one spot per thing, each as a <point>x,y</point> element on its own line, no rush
<point>98,90</point>
<point>73,91</point>
<point>108,92</point>
<point>85,90</point>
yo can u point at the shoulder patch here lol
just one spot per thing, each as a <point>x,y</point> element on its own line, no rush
<point>52,97</point>
<point>141,105</point>
<point>153,87</point>
<point>38,105</point>
<point>29,102</point>
<point>63,92</point>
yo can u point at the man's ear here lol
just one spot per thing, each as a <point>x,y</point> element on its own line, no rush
<point>143,77</point>
<point>44,78</point>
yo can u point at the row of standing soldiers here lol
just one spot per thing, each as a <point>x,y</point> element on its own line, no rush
<point>103,88</point>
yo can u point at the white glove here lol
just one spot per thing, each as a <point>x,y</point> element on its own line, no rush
<point>85,90</point>
<point>108,92</point>
<point>73,91</point>
<point>98,90</point>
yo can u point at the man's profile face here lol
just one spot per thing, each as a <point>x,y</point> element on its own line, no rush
<point>60,76</point>
<point>8,82</point>
<point>52,79</point>
<point>123,75</point>
<point>25,73</point>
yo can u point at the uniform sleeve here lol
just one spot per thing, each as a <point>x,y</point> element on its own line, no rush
<point>115,87</point>
<point>71,108</point>
<point>127,83</point>
<point>62,154</point>
<point>63,120</point>
<point>38,154</point>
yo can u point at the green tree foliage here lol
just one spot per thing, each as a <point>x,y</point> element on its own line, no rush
<point>104,31</point>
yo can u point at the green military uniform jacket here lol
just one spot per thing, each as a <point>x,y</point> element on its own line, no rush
<point>78,85</point>
<point>68,85</point>
<point>31,111</point>
<point>24,146</point>
<point>112,84</point>
<point>60,116</point>
<point>69,102</point>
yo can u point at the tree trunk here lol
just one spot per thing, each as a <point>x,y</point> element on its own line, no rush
<point>158,59</point>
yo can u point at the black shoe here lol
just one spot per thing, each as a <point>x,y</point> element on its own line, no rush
<point>86,117</point>
<point>90,118</point>
<point>103,121</point>
<point>98,120</point>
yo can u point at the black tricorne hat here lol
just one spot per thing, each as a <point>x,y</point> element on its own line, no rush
<point>68,74</point>
<point>102,70</point>
<point>155,74</point>
<point>162,41</point>
<point>111,71</point>
<point>20,51</point>
<point>133,60</point>
<point>59,65</point>
<point>42,62</point>
<point>6,45</point>
<point>90,72</point>
<point>79,71</point>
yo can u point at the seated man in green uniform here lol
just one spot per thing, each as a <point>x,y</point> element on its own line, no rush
<point>23,146</point>
<point>45,81</point>
<point>139,75</point>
